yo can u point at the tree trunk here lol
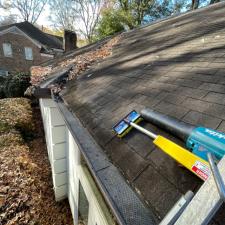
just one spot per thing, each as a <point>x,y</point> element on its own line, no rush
<point>214,1</point>
<point>124,4</point>
<point>195,4</point>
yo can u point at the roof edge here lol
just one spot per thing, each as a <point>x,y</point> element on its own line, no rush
<point>102,170</point>
<point>177,15</point>
<point>7,30</point>
<point>107,175</point>
<point>56,77</point>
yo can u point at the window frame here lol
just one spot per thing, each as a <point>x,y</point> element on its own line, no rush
<point>27,58</point>
<point>4,46</point>
<point>82,197</point>
<point>4,73</point>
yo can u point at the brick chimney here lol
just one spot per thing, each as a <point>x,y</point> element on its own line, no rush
<point>69,40</point>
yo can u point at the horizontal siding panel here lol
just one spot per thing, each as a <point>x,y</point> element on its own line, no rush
<point>59,151</point>
<point>59,166</point>
<point>56,117</point>
<point>48,103</point>
<point>60,192</point>
<point>60,179</point>
<point>58,134</point>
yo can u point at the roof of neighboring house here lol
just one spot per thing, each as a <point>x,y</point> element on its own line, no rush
<point>50,41</point>
<point>177,67</point>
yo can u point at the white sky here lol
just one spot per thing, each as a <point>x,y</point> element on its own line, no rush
<point>42,20</point>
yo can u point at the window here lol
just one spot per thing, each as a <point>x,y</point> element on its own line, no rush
<point>3,72</point>
<point>28,53</point>
<point>83,206</point>
<point>7,49</point>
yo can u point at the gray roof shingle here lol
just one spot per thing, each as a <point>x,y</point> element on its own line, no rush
<point>175,67</point>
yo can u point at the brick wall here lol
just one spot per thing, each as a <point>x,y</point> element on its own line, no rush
<point>18,63</point>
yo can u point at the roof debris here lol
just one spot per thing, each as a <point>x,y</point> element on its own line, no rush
<point>80,62</point>
<point>177,70</point>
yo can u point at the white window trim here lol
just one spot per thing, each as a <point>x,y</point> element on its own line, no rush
<point>47,55</point>
<point>5,50</point>
<point>26,56</point>
<point>6,73</point>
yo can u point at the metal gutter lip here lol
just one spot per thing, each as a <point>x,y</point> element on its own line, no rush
<point>67,114</point>
<point>43,90</point>
<point>126,206</point>
<point>56,76</point>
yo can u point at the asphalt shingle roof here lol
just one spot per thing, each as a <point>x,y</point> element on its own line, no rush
<point>48,40</point>
<point>175,67</point>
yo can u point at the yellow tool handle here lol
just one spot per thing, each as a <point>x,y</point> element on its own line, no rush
<point>195,164</point>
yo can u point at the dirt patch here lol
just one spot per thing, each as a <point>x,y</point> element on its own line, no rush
<point>26,190</point>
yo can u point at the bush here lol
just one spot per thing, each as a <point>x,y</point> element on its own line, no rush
<point>113,21</point>
<point>2,93</point>
<point>15,85</point>
<point>2,86</point>
<point>16,115</point>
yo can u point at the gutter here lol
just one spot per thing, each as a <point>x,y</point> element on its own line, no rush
<point>126,206</point>
<point>123,201</point>
<point>57,77</point>
<point>43,90</point>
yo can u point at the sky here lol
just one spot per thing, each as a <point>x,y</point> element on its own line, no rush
<point>42,20</point>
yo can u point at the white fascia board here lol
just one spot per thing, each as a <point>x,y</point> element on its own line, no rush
<point>47,55</point>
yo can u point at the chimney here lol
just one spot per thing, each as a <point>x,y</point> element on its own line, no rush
<point>69,40</point>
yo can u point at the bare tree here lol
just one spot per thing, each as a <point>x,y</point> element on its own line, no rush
<point>1,4</point>
<point>62,14</point>
<point>88,12</point>
<point>81,16</point>
<point>214,1</point>
<point>6,20</point>
<point>195,4</point>
<point>28,10</point>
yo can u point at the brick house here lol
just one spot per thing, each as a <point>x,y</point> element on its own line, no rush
<point>23,45</point>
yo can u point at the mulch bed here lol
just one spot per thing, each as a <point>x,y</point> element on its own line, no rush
<point>26,190</point>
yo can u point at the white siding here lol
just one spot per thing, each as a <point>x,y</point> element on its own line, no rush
<point>67,169</point>
<point>55,133</point>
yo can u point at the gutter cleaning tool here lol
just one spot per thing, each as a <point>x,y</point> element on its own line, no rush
<point>195,164</point>
<point>200,140</point>
<point>204,142</point>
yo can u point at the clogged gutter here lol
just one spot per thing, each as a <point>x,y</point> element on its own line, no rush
<point>80,64</point>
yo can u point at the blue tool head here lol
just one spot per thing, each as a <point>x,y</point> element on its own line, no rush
<point>123,126</point>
